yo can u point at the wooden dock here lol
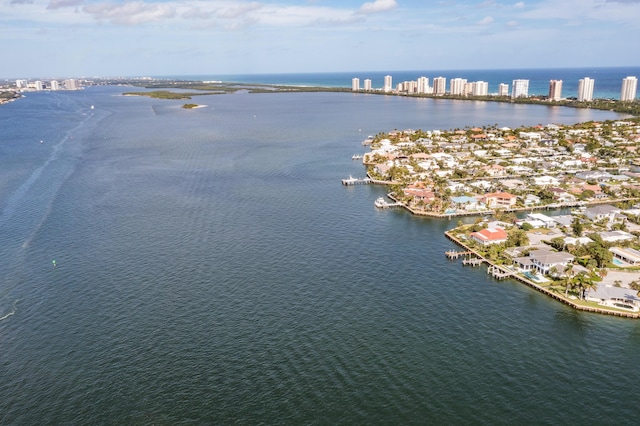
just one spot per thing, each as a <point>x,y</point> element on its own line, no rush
<point>472,261</point>
<point>451,254</point>
<point>356,181</point>
<point>498,273</point>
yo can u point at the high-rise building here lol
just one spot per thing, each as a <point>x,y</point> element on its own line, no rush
<point>555,90</point>
<point>503,89</point>
<point>480,88</point>
<point>388,83</point>
<point>71,84</point>
<point>367,84</point>
<point>38,85</point>
<point>439,86</point>
<point>520,88</point>
<point>585,89</point>
<point>355,84</point>
<point>20,84</point>
<point>55,85</point>
<point>629,88</point>
<point>457,86</point>
<point>423,85</point>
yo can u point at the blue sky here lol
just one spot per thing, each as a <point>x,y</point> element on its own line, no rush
<point>168,37</point>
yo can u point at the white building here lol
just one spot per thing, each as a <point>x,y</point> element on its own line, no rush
<point>55,85</point>
<point>21,84</point>
<point>355,84</point>
<point>503,89</point>
<point>520,88</point>
<point>457,86</point>
<point>367,84</point>
<point>629,87</point>
<point>555,90</point>
<point>423,85</point>
<point>388,83</point>
<point>71,84</point>
<point>480,88</point>
<point>439,85</point>
<point>585,89</point>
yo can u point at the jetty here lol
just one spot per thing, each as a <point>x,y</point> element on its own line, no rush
<point>356,181</point>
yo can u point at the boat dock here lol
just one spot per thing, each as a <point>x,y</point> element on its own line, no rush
<point>355,181</point>
<point>472,261</point>
<point>381,203</point>
<point>498,273</point>
<point>451,254</point>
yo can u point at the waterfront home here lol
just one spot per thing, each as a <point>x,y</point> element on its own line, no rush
<point>499,199</point>
<point>467,203</point>
<point>548,222</point>
<point>547,261</point>
<point>603,211</point>
<point>616,297</point>
<point>489,236</point>
<point>420,194</point>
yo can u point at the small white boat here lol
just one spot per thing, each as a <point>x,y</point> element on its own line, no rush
<point>381,203</point>
<point>356,157</point>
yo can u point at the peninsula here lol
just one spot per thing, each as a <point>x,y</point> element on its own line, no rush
<point>588,257</point>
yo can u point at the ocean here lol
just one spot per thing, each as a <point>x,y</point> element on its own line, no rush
<point>211,269</point>
<point>608,81</point>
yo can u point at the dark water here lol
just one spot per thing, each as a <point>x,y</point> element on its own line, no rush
<point>212,269</point>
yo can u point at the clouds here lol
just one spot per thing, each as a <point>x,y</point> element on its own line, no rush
<point>130,13</point>
<point>316,35</point>
<point>378,6</point>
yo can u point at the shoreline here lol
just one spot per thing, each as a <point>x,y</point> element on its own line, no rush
<point>541,289</point>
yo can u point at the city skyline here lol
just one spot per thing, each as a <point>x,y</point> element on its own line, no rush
<point>152,37</point>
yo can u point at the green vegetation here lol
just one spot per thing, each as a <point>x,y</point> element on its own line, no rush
<point>190,106</point>
<point>165,94</point>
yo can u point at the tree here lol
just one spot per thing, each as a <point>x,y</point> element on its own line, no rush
<point>576,227</point>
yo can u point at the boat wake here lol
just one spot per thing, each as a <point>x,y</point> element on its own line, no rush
<point>14,309</point>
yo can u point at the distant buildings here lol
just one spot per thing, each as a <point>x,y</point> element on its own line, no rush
<point>355,84</point>
<point>388,84</point>
<point>439,86</point>
<point>629,87</point>
<point>585,89</point>
<point>520,88</point>
<point>457,86</point>
<point>423,85</point>
<point>555,90</point>
<point>480,88</point>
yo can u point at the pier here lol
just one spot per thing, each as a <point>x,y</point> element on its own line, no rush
<point>355,181</point>
<point>472,261</point>
<point>451,254</point>
<point>498,273</point>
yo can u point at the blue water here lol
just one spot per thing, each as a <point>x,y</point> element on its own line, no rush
<point>211,269</point>
<point>608,81</point>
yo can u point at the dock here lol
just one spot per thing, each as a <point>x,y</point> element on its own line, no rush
<point>356,181</point>
<point>498,273</point>
<point>472,261</point>
<point>451,254</point>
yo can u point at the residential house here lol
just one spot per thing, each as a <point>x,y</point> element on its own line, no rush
<point>499,199</point>
<point>489,236</point>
